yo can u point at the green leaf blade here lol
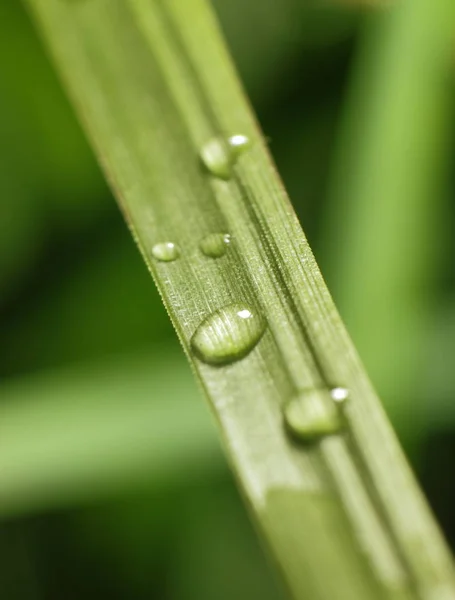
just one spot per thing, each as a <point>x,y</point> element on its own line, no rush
<point>153,83</point>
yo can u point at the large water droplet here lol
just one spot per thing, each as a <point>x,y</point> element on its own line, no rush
<point>313,414</point>
<point>228,334</point>
<point>215,244</point>
<point>166,251</point>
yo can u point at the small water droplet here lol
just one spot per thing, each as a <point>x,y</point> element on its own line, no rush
<point>215,244</point>
<point>228,334</point>
<point>312,414</point>
<point>166,251</point>
<point>217,158</point>
<point>238,143</point>
<point>219,155</point>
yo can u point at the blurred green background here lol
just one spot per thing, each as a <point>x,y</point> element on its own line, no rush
<point>112,483</point>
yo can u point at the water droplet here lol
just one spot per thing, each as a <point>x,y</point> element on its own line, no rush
<point>215,244</point>
<point>219,155</point>
<point>228,334</point>
<point>312,414</point>
<point>238,143</point>
<point>217,158</point>
<point>166,251</point>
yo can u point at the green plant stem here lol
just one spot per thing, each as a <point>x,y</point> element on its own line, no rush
<point>153,83</point>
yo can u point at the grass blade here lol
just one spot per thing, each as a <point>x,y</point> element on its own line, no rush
<point>386,195</point>
<point>73,436</point>
<point>153,85</point>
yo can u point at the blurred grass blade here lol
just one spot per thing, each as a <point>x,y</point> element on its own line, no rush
<point>387,194</point>
<point>439,381</point>
<point>74,436</point>
<point>153,84</point>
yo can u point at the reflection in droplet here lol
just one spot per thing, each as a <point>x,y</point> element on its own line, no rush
<point>228,334</point>
<point>215,244</point>
<point>166,251</point>
<point>339,394</point>
<point>312,414</point>
<point>238,143</point>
